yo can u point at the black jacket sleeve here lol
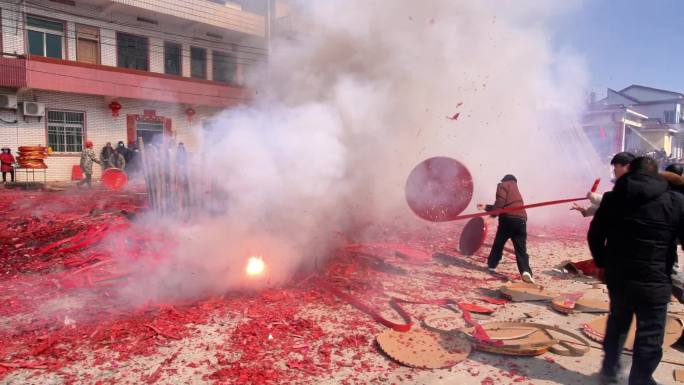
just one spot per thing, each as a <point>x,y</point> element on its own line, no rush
<point>598,232</point>
<point>680,234</point>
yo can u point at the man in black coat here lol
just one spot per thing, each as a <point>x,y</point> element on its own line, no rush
<point>633,236</point>
<point>125,152</point>
<point>673,174</point>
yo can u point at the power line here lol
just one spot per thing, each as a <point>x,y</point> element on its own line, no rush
<point>196,15</point>
<point>260,51</point>
<point>124,84</point>
<point>45,7</point>
<point>237,60</point>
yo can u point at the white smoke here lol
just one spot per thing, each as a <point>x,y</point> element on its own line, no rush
<point>356,96</point>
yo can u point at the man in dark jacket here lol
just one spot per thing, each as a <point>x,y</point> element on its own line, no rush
<point>633,237</point>
<point>105,154</point>
<point>117,159</point>
<point>512,225</point>
<point>673,175</point>
<point>125,152</point>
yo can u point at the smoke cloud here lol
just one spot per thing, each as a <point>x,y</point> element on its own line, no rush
<point>357,95</point>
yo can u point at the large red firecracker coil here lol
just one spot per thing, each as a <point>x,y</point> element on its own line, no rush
<point>32,157</point>
<point>473,236</point>
<point>439,189</point>
<point>114,179</point>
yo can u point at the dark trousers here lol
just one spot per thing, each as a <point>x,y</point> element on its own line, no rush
<point>87,180</point>
<point>678,293</point>
<point>514,229</point>
<point>648,344</point>
<point>4,175</point>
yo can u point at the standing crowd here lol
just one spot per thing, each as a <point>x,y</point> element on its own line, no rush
<point>121,157</point>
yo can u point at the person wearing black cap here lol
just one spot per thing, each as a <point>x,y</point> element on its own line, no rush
<point>633,237</point>
<point>620,163</point>
<point>512,225</point>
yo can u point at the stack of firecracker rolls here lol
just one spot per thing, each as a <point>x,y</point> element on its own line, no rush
<point>32,157</point>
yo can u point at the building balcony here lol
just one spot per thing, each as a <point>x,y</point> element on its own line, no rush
<point>190,12</point>
<point>80,78</point>
<point>12,72</point>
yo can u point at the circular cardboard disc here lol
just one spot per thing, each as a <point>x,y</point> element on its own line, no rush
<point>516,338</point>
<point>596,330</point>
<point>420,348</point>
<point>472,236</point>
<point>439,189</point>
<point>522,291</point>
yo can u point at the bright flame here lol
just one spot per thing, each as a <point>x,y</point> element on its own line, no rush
<point>255,266</point>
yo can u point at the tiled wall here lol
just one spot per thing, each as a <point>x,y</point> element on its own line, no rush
<point>100,126</point>
<point>13,36</point>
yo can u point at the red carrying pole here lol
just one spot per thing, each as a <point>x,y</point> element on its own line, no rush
<point>595,186</point>
<point>516,208</point>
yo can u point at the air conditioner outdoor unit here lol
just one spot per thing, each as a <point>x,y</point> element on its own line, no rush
<point>8,102</point>
<point>34,109</point>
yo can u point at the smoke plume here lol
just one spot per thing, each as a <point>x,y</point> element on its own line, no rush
<point>353,97</point>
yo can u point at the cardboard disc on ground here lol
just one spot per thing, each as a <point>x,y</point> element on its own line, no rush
<point>521,291</point>
<point>517,339</point>
<point>114,179</point>
<point>420,348</point>
<point>591,301</point>
<point>596,330</point>
<point>472,236</point>
<point>529,339</point>
<point>439,189</point>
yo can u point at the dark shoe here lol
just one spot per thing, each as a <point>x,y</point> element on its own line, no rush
<point>605,379</point>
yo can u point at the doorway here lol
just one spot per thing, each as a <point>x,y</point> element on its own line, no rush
<point>150,132</point>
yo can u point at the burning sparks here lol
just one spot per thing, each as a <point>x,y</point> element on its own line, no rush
<point>255,266</point>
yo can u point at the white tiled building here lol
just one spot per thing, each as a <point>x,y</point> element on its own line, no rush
<point>637,118</point>
<point>66,65</point>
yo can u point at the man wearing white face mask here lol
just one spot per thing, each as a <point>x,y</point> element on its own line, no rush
<point>620,163</point>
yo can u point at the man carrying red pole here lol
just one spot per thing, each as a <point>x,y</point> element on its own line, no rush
<point>512,225</point>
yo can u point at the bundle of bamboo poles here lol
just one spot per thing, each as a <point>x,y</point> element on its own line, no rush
<point>172,189</point>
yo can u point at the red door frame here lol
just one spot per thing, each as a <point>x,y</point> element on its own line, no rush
<point>148,116</point>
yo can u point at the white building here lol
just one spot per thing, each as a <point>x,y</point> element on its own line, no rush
<point>117,70</point>
<point>637,118</point>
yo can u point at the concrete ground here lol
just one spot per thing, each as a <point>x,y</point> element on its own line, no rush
<point>192,359</point>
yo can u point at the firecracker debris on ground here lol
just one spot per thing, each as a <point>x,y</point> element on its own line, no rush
<point>60,323</point>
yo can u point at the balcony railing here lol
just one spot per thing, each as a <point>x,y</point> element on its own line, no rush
<point>12,72</point>
<point>91,79</point>
<point>206,12</point>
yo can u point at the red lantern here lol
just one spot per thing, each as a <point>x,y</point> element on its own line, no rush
<point>115,107</point>
<point>190,112</point>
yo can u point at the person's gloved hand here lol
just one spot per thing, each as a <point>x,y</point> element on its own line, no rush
<point>579,208</point>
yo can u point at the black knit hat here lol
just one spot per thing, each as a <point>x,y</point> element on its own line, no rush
<point>622,158</point>
<point>509,177</point>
